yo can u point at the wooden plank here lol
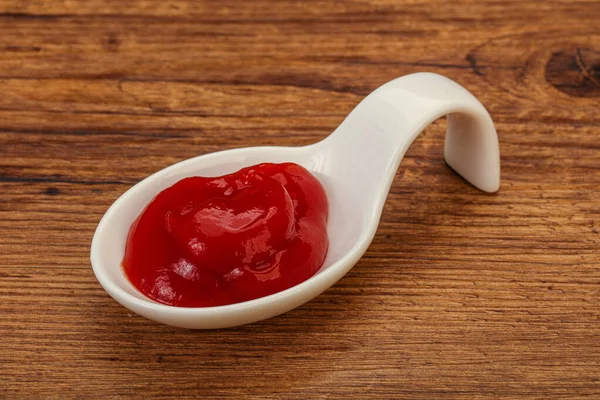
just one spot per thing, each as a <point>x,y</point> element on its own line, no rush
<point>461,294</point>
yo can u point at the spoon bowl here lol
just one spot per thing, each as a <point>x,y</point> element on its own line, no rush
<point>356,165</point>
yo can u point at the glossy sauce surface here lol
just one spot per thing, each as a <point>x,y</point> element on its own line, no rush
<point>215,241</point>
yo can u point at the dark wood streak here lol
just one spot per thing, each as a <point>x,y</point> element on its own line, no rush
<point>575,72</point>
<point>59,179</point>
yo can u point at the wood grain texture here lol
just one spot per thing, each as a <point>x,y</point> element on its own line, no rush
<point>461,294</point>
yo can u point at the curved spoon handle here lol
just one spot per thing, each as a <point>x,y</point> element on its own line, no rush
<point>378,132</point>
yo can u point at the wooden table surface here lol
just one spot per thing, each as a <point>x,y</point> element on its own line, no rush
<point>461,294</point>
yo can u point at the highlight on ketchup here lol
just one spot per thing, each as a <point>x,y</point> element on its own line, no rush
<point>215,241</point>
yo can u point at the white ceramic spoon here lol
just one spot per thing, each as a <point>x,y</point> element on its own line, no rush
<point>356,164</point>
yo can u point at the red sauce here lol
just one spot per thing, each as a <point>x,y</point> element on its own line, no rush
<point>215,241</point>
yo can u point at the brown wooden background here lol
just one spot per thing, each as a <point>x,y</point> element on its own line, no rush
<point>461,295</point>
